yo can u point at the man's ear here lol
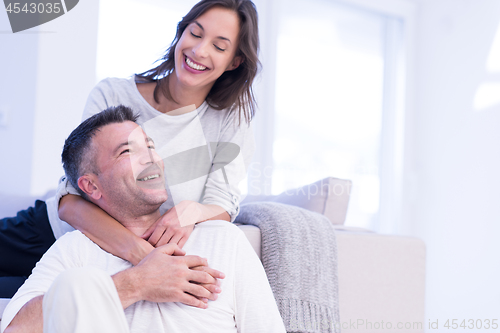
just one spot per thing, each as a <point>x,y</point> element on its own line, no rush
<point>87,184</point>
<point>235,63</point>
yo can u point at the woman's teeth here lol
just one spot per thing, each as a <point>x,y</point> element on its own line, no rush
<point>148,178</point>
<point>194,66</point>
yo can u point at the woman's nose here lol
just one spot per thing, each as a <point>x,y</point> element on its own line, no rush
<point>200,50</point>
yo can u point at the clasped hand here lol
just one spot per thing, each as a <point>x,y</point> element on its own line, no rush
<point>175,226</point>
<point>190,280</point>
<point>168,275</point>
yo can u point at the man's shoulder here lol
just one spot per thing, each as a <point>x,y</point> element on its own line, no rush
<point>76,246</point>
<point>218,241</point>
<point>218,224</point>
<point>73,239</point>
<point>75,235</point>
<point>220,227</point>
<point>76,239</point>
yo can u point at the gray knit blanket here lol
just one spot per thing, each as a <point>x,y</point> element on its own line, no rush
<point>299,255</point>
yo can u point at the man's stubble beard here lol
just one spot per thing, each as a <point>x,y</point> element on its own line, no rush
<point>133,205</point>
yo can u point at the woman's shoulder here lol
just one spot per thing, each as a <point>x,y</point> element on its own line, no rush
<point>113,91</point>
<point>225,116</point>
<point>114,82</point>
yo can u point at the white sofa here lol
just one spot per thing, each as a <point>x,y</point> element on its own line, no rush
<point>381,277</point>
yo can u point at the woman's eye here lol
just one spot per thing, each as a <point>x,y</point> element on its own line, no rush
<point>125,151</point>
<point>196,36</point>
<point>151,147</point>
<point>219,48</point>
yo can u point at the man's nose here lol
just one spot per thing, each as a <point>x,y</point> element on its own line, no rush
<point>148,156</point>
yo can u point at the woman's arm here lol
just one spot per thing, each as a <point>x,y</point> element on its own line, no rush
<point>222,187</point>
<point>212,212</point>
<point>176,225</point>
<point>102,229</point>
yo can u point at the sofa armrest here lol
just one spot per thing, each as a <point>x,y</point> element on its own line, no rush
<point>381,278</point>
<point>253,236</point>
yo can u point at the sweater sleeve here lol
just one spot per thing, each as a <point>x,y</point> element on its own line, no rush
<point>232,156</point>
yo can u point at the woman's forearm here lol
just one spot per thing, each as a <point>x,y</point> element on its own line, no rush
<point>212,212</point>
<point>102,229</point>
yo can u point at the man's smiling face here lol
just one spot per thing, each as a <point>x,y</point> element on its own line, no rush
<point>130,171</point>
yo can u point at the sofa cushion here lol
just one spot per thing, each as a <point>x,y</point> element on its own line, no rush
<point>11,204</point>
<point>329,196</point>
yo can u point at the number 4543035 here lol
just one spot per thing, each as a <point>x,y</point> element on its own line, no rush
<point>472,324</point>
<point>34,8</point>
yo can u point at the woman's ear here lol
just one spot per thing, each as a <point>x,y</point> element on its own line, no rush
<point>235,63</point>
<point>87,184</point>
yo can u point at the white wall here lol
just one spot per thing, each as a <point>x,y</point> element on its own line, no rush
<point>453,160</point>
<point>18,61</point>
<point>47,73</point>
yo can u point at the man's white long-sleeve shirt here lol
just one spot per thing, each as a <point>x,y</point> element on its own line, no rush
<point>246,303</point>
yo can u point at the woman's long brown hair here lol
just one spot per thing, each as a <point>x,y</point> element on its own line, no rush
<point>233,89</point>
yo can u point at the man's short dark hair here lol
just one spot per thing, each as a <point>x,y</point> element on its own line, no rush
<point>78,153</point>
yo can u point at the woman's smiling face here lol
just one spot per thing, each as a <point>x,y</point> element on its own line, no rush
<point>207,48</point>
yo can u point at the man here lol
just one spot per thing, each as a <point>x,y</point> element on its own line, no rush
<point>82,288</point>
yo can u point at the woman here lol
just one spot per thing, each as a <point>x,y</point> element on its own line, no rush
<point>199,96</point>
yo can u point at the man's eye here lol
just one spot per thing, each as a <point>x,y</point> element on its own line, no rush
<point>195,36</point>
<point>151,147</point>
<point>125,151</point>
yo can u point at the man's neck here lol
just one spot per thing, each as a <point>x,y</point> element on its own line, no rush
<point>136,221</point>
<point>138,225</point>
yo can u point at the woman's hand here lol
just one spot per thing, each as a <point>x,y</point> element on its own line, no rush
<point>175,226</point>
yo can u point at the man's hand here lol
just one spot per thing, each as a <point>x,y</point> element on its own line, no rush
<point>175,226</point>
<point>166,275</point>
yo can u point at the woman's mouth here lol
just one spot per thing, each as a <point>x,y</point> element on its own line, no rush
<point>193,65</point>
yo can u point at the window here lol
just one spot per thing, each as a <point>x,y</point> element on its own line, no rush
<point>133,34</point>
<point>488,93</point>
<point>337,68</point>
